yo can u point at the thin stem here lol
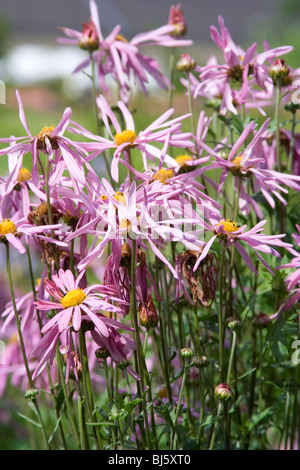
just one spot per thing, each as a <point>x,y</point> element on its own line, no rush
<point>277,109</point>
<point>96,112</point>
<point>260,399</point>
<point>292,144</point>
<point>88,387</point>
<point>22,345</point>
<point>66,396</point>
<point>179,403</point>
<point>171,70</point>
<point>139,355</point>
<point>190,102</point>
<point>221,358</point>
<point>49,209</point>
<point>202,394</point>
<point>211,446</point>
<point>232,350</point>
<point>62,436</point>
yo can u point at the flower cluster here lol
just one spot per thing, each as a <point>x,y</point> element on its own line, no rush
<point>190,219</point>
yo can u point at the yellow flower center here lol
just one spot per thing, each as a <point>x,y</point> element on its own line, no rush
<point>120,197</point>
<point>126,136</point>
<point>163,175</point>
<point>46,132</point>
<point>73,298</point>
<point>24,175</point>
<point>120,37</point>
<point>13,339</point>
<point>7,226</point>
<point>228,225</point>
<point>237,162</point>
<point>182,159</point>
<point>103,197</point>
<point>125,224</point>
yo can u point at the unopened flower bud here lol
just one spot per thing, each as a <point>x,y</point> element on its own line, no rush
<point>186,352</point>
<point>102,353</point>
<point>200,362</point>
<point>148,316</point>
<point>234,324</point>
<point>278,70</point>
<point>292,107</point>
<point>89,39</point>
<point>177,19</point>
<point>31,393</point>
<point>223,392</point>
<point>186,63</point>
<point>124,364</point>
<point>262,320</point>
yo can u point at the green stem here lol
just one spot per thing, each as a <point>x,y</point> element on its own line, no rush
<point>232,350</point>
<point>190,102</point>
<point>165,365</point>
<point>66,396</point>
<point>139,352</point>
<point>22,345</point>
<point>221,339</point>
<point>171,70</point>
<point>202,394</point>
<point>96,111</point>
<point>62,436</point>
<point>49,209</point>
<point>211,446</point>
<point>87,386</point>
<point>277,109</point>
<point>260,399</point>
<point>292,144</point>
<point>179,404</point>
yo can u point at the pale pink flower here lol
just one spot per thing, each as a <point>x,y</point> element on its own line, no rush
<point>231,233</point>
<point>75,303</point>
<point>161,130</point>
<point>11,230</point>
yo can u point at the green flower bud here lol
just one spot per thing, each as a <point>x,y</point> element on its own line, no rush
<point>102,353</point>
<point>186,352</point>
<point>223,392</point>
<point>31,393</point>
<point>200,362</point>
<point>124,364</point>
<point>278,70</point>
<point>186,63</point>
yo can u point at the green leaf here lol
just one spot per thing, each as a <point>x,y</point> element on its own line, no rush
<point>31,421</point>
<point>54,430</point>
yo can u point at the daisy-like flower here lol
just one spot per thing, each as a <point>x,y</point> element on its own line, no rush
<point>75,303</point>
<point>117,56</point>
<point>11,230</point>
<point>230,232</point>
<point>239,64</point>
<point>161,130</point>
<point>293,279</point>
<point>63,152</point>
<point>248,162</point>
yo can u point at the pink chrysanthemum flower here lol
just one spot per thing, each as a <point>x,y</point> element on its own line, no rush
<point>74,303</point>
<point>230,232</point>
<point>248,162</point>
<point>63,152</point>
<point>239,64</point>
<point>11,229</point>
<point>120,58</point>
<point>161,130</point>
<point>293,279</point>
